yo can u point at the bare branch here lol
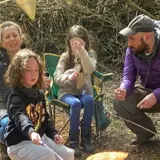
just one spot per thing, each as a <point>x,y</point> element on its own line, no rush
<point>141,10</point>
<point>5,1</point>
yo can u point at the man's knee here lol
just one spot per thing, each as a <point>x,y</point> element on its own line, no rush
<point>123,108</point>
<point>117,106</point>
<point>127,109</point>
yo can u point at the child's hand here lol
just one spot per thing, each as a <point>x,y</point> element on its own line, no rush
<point>58,139</point>
<point>35,138</point>
<point>77,46</point>
<point>73,76</point>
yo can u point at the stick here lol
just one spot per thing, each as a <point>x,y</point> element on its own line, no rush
<point>137,125</point>
<point>5,1</point>
<point>60,158</point>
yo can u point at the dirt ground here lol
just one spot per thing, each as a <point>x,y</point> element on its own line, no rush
<point>117,136</point>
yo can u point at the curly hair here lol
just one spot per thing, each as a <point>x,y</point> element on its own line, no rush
<point>8,24</point>
<point>15,71</point>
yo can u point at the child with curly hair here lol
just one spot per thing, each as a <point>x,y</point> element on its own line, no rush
<point>30,133</point>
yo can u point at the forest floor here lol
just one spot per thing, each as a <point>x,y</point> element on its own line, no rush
<point>117,136</point>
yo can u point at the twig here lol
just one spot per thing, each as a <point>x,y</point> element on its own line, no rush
<point>5,1</point>
<point>141,10</point>
<point>138,125</point>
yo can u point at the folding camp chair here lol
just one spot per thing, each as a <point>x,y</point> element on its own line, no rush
<point>101,119</point>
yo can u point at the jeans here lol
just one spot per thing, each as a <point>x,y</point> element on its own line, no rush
<point>76,103</point>
<point>3,124</point>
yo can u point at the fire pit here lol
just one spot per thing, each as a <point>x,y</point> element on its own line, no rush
<point>108,156</point>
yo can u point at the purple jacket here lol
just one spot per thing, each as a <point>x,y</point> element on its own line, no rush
<point>148,70</point>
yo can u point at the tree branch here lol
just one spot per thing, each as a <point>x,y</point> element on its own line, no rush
<point>5,1</point>
<point>141,10</point>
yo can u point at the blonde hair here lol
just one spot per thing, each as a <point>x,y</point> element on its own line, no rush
<point>15,71</point>
<point>8,24</point>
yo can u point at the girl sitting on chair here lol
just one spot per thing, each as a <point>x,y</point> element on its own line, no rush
<point>73,75</point>
<point>30,133</point>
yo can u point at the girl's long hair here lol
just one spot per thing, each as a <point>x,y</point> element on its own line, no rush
<point>76,31</point>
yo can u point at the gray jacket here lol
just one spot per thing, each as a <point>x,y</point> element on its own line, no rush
<point>83,83</point>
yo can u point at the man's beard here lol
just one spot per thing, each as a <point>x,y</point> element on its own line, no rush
<point>142,48</point>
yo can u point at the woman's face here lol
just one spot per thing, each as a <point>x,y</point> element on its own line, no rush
<point>76,44</point>
<point>11,39</point>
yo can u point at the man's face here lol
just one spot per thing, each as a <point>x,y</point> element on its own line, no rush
<point>137,43</point>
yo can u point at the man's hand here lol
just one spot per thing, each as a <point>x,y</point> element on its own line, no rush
<point>58,139</point>
<point>148,102</point>
<point>35,138</point>
<point>120,94</point>
<point>73,76</point>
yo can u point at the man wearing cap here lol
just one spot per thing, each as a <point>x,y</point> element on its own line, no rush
<point>142,61</point>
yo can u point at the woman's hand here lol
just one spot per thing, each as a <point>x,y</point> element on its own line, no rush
<point>58,139</point>
<point>35,138</point>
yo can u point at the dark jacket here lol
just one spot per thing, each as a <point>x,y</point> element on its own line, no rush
<point>27,112</point>
<point>147,68</point>
<point>4,62</point>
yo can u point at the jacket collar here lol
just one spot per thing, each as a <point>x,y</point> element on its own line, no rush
<point>29,92</point>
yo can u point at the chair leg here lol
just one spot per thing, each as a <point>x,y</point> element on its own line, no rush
<point>50,112</point>
<point>54,115</point>
<point>64,125</point>
<point>98,122</point>
<point>100,131</point>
